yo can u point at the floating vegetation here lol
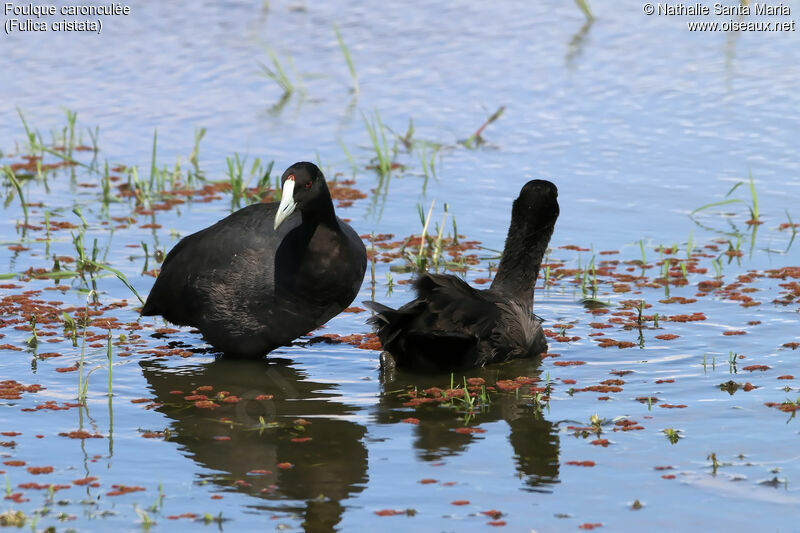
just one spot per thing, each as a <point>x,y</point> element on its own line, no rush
<point>633,334</point>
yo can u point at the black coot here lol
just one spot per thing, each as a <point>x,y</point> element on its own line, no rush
<point>450,325</point>
<point>264,275</point>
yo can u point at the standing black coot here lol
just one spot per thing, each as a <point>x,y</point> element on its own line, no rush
<point>262,277</point>
<point>450,325</point>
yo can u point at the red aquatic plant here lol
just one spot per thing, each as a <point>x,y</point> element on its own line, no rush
<point>468,431</point>
<point>119,490</point>
<point>580,463</point>
<point>36,470</point>
<point>389,512</point>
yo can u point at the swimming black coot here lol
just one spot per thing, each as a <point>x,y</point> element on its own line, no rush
<point>264,275</point>
<point>451,325</point>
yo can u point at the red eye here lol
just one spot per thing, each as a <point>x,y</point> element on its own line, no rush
<point>308,185</point>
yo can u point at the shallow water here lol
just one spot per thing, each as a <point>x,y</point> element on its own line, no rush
<point>638,122</point>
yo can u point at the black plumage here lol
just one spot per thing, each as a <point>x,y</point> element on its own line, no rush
<point>451,325</point>
<point>264,275</point>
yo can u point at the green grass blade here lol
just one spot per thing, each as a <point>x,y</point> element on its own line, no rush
<point>754,196</point>
<point>15,182</point>
<point>117,273</point>
<point>349,157</point>
<point>153,160</point>
<point>40,148</point>
<point>28,132</point>
<point>347,57</point>
<point>584,6</point>
<point>714,204</point>
<point>278,75</point>
<point>738,183</point>
<point>58,274</point>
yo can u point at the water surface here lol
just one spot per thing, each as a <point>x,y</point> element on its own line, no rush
<point>638,121</point>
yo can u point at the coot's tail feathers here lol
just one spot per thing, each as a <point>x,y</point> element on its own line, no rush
<point>421,350</point>
<point>386,321</point>
<point>149,309</point>
<point>379,308</point>
<point>390,323</point>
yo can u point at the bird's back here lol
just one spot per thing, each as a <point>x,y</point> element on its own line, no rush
<point>202,261</point>
<point>451,325</point>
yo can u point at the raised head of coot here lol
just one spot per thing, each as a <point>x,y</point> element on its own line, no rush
<point>451,325</point>
<point>266,274</point>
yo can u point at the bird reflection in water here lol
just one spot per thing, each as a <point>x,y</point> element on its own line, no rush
<point>332,466</point>
<point>534,438</point>
<point>326,470</point>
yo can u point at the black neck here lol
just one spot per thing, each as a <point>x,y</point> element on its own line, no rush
<point>521,261</point>
<point>321,212</point>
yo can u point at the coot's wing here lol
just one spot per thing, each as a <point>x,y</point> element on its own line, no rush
<point>197,264</point>
<point>504,326</point>
<point>356,258</point>
<point>453,306</point>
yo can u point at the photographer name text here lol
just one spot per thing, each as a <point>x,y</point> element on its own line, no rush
<point>745,10</point>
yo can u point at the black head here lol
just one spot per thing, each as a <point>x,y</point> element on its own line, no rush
<point>304,188</point>
<point>308,181</point>
<point>537,205</point>
<point>533,219</point>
